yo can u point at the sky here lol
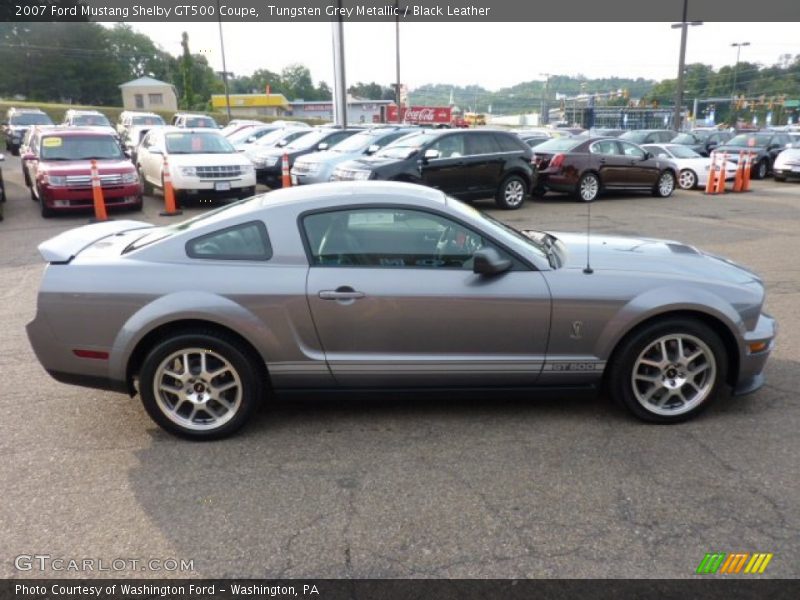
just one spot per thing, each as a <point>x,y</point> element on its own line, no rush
<point>494,55</point>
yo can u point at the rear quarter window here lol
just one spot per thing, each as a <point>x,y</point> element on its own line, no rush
<point>509,143</point>
<point>246,241</point>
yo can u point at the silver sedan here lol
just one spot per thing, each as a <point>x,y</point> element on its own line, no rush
<point>391,285</point>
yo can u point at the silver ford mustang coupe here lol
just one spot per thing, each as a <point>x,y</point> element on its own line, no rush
<point>387,285</point>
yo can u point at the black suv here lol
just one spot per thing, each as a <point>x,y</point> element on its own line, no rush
<point>17,123</point>
<point>466,164</point>
<point>269,169</point>
<point>763,147</point>
<point>702,141</point>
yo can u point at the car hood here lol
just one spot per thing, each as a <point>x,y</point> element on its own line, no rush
<point>202,160</point>
<point>368,163</point>
<point>736,149</point>
<point>652,257</point>
<point>69,167</point>
<point>329,156</point>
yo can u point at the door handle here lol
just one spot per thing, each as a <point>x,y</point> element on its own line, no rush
<point>341,293</point>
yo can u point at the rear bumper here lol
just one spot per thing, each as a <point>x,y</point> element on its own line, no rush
<point>555,180</point>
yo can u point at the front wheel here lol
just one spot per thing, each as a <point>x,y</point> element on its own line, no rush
<point>147,187</point>
<point>199,385</point>
<point>761,170</point>
<point>687,180</point>
<point>588,187</point>
<point>669,371</point>
<point>665,185</point>
<point>511,193</point>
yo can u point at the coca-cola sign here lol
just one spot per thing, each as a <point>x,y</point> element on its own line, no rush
<point>421,114</point>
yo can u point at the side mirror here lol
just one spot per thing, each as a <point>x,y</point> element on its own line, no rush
<point>431,154</point>
<point>373,149</point>
<point>251,139</point>
<point>648,155</point>
<point>487,261</point>
<point>322,146</point>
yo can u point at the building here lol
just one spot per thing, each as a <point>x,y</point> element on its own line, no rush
<point>148,94</point>
<point>359,110</point>
<point>253,105</point>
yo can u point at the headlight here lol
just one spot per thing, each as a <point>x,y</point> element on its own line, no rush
<point>189,171</point>
<point>131,177</point>
<point>56,180</point>
<point>248,168</point>
<point>362,174</point>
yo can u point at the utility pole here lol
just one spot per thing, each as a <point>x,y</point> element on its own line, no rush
<point>545,112</point>
<point>224,67</point>
<point>684,27</point>
<point>738,46</point>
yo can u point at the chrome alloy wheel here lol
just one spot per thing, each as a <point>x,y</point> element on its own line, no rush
<point>589,189</point>
<point>687,179</point>
<point>666,184</point>
<point>197,389</point>
<point>674,374</point>
<point>514,192</point>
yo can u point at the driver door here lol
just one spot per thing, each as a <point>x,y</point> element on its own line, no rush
<point>395,302</point>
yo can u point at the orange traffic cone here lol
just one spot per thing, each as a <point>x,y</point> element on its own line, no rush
<point>712,174</point>
<point>97,196</point>
<point>286,180</point>
<point>170,209</point>
<point>721,175</point>
<point>738,181</point>
<point>748,166</point>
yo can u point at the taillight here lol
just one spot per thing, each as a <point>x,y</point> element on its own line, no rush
<point>557,161</point>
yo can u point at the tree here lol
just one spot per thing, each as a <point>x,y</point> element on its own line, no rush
<point>297,84</point>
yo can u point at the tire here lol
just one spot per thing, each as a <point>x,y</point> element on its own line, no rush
<point>687,179</point>
<point>588,188</point>
<point>14,150</point>
<point>665,185</point>
<point>147,187</point>
<point>196,409</point>
<point>761,170</point>
<point>26,178</point>
<point>247,192</point>
<point>511,193</point>
<point>46,211</point>
<point>641,375</point>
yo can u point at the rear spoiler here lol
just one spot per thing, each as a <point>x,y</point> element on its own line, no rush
<point>66,246</point>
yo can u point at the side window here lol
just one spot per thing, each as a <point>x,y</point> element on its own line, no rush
<point>507,143</point>
<point>248,241</point>
<point>658,152</point>
<point>481,143</point>
<point>449,146</point>
<point>632,151</point>
<point>388,139</point>
<point>390,238</point>
<point>336,138</point>
<point>604,147</point>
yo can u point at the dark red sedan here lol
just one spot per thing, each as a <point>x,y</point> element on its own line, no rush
<point>586,166</point>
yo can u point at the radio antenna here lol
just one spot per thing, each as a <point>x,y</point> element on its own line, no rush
<point>588,270</point>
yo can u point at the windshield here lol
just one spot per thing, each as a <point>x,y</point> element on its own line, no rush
<point>358,142</point>
<point>559,145</point>
<point>241,136</point>
<point>90,121</point>
<point>31,119</point>
<point>147,120</point>
<point>749,140</point>
<point>198,143</point>
<point>634,136</point>
<point>686,138</point>
<point>406,146</point>
<point>80,147</point>
<point>201,122</point>
<point>682,152</point>
<point>280,136</point>
<point>307,141</point>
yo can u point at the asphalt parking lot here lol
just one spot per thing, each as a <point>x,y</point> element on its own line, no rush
<point>414,486</point>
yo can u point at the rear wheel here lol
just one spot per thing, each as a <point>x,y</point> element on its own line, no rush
<point>761,169</point>
<point>511,193</point>
<point>588,187</point>
<point>199,385</point>
<point>687,179</point>
<point>665,185</point>
<point>669,371</point>
<point>147,187</point>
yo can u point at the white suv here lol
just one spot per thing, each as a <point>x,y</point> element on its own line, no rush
<point>202,164</point>
<point>194,121</point>
<point>89,119</point>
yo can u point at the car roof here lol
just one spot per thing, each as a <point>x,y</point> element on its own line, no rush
<point>172,129</point>
<point>74,131</point>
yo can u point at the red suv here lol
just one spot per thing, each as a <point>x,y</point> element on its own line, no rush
<point>59,162</point>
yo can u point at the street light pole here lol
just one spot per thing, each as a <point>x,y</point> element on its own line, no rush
<point>397,58</point>
<point>684,27</point>
<point>339,79</point>
<point>545,116</point>
<point>738,46</point>
<point>224,67</point>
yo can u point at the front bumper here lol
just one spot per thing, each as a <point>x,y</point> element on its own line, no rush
<point>751,364</point>
<point>66,199</point>
<point>786,171</point>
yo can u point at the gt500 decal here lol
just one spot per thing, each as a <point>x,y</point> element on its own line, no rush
<point>575,366</point>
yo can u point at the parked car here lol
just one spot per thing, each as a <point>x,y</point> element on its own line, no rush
<point>693,169</point>
<point>586,167</point>
<point>387,285</point>
<point>18,122</point>
<point>270,161</point>
<point>533,140</point>
<point>261,152</point>
<point>202,164</point>
<point>133,118</point>
<point>318,167</point>
<point>702,141</point>
<point>59,166</point>
<point>236,124</point>
<point>89,119</point>
<point>250,134</point>
<point>648,136</point>
<point>763,148</point>
<point>787,165</point>
<point>465,164</point>
<point>194,121</point>
<point>601,132</point>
